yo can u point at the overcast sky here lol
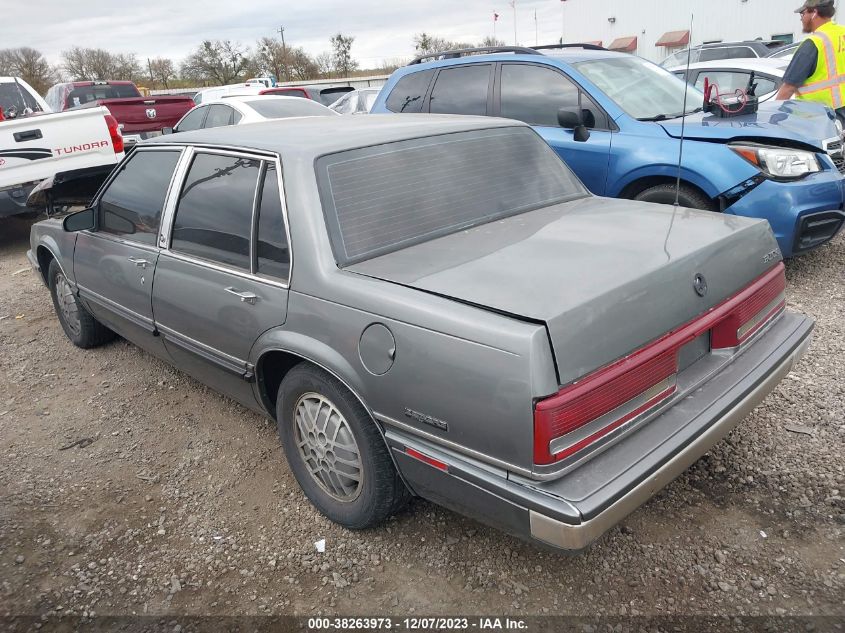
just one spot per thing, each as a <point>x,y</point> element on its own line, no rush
<point>173,28</point>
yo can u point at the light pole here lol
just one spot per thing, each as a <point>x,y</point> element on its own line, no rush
<point>281,30</point>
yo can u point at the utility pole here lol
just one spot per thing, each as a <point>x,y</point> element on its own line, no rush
<point>281,30</point>
<point>513,6</point>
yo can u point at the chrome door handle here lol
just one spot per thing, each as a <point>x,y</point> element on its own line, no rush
<point>141,263</point>
<point>246,297</point>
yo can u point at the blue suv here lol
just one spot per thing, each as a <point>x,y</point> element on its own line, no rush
<point>616,119</point>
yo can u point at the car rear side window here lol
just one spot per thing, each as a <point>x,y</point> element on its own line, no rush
<point>218,116</point>
<point>408,93</point>
<point>131,205</point>
<point>382,198</point>
<point>272,247</point>
<point>461,90</point>
<point>214,214</point>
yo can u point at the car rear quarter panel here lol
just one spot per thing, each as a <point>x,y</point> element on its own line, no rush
<point>473,369</point>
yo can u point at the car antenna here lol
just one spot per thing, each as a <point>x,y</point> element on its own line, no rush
<point>684,115</point>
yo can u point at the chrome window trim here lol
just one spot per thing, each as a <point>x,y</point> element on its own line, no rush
<point>111,237</point>
<point>223,269</point>
<point>253,227</point>
<point>166,236</point>
<point>166,224</point>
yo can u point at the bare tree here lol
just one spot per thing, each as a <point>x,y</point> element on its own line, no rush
<point>426,44</point>
<point>88,64</point>
<point>220,61</point>
<point>30,65</point>
<point>325,64</point>
<point>162,71</point>
<point>342,60</point>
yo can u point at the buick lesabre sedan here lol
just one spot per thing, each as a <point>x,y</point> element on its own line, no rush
<point>433,306</point>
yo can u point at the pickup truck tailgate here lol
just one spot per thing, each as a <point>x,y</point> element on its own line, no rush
<point>36,147</point>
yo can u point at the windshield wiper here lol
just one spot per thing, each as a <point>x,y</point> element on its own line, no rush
<point>666,117</point>
<point>657,117</point>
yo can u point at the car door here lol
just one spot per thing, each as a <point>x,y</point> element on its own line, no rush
<point>114,264</point>
<point>222,278</point>
<point>534,93</point>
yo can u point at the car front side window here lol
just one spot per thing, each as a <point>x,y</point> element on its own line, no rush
<point>214,213</point>
<point>193,120</point>
<point>131,206</point>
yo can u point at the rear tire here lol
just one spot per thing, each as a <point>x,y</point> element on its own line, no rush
<point>80,327</point>
<point>335,450</point>
<point>687,197</point>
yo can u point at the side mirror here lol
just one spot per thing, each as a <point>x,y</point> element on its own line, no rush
<point>573,120</point>
<point>167,130</point>
<point>79,221</point>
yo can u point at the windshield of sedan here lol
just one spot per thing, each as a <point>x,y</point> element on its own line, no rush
<point>284,108</point>
<point>382,198</point>
<point>641,89</point>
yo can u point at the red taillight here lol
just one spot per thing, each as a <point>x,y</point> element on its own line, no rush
<point>582,413</point>
<point>756,306</point>
<point>114,132</point>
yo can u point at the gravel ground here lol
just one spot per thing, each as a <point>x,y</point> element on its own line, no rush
<point>174,500</point>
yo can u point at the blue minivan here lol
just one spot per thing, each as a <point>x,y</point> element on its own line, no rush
<point>617,120</point>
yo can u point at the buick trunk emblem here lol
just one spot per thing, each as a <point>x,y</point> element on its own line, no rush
<point>151,113</point>
<point>700,285</point>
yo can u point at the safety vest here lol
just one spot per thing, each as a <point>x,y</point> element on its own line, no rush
<point>827,84</point>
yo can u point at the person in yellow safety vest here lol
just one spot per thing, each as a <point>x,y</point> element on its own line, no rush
<point>817,70</point>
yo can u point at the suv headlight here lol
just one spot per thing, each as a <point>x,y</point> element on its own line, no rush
<point>779,162</point>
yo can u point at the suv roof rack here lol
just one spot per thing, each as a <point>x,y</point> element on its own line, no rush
<point>588,47</point>
<point>461,52</point>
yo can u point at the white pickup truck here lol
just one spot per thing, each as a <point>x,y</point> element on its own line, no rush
<point>36,146</point>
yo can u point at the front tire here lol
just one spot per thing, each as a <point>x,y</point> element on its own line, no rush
<point>335,450</point>
<point>80,327</point>
<point>687,197</point>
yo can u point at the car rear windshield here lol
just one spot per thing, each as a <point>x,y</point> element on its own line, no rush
<point>283,108</point>
<point>85,94</point>
<point>382,198</point>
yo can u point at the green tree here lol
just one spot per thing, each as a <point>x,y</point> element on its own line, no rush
<point>342,61</point>
<point>219,61</point>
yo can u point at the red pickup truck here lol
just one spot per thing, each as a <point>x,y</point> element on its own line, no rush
<point>138,116</point>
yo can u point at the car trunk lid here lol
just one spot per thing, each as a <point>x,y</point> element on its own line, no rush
<point>605,276</point>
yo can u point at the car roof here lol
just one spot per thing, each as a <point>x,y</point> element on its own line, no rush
<point>565,55</point>
<point>760,64</point>
<point>255,97</point>
<point>309,137</point>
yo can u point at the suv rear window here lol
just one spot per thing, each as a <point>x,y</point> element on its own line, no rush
<point>382,198</point>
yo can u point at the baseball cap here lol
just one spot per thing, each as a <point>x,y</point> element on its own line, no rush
<point>814,4</point>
